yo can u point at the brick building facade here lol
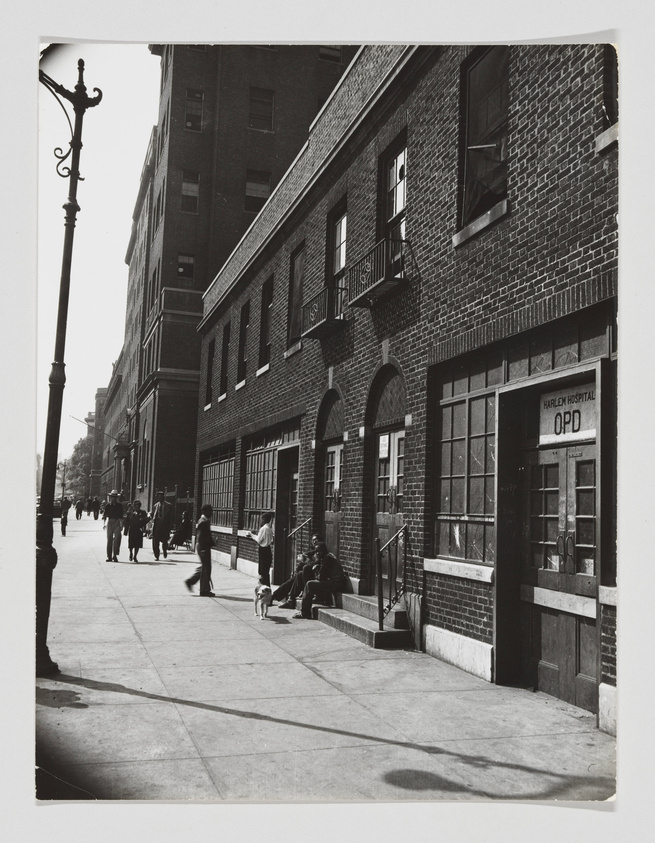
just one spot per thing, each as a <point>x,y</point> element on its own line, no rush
<point>231,121</point>
<point>418,336</point>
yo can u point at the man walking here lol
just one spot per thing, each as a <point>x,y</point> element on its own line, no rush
<point>161,525</point>
<point>204,548</point>
<point>113,517</point>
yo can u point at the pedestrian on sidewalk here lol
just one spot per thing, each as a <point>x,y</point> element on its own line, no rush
<point>306,569</point>
<point>134,523</point>
<point>161,516</point>
<point>264,539</point>
<point>204,548</point>
<point>95,506</point>
<point>79,509</point>
<point>65,506</point>
<point>112,519</point>
<point>329,579</point>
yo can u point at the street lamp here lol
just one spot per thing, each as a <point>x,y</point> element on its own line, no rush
<point>46,555</point>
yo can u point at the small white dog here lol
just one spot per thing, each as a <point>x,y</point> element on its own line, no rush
<point>263,596</point>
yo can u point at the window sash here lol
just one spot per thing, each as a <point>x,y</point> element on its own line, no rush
<point>295,296</point>
<point>261,109</point>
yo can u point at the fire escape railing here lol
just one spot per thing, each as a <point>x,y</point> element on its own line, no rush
<point>385,262</point>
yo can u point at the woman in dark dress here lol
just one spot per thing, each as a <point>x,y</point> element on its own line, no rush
<point>135,521</point>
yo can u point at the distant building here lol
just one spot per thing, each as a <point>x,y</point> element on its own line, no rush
<point>231,121</point>
<point>417,339</point>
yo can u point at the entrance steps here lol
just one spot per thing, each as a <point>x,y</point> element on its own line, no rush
<point>357,616</point>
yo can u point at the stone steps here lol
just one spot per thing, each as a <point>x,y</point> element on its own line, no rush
<point>357,616</point>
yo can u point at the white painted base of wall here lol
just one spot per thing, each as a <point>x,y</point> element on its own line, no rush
<point>470,655</point>
<point>607,708</point>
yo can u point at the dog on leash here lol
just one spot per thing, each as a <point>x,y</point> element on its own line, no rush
<point>263,595</point>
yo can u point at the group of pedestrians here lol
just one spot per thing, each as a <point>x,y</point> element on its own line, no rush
<point>92,505</point>
<point>318,574</point>
<point>133,525</point>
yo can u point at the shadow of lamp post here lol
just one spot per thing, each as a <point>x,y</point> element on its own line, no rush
<point>46,555</point>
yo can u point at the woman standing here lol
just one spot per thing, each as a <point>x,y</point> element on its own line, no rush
<point>135,521</point>
<point>264,539</point>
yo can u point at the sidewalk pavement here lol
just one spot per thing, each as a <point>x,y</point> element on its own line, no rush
<point>164,695</point>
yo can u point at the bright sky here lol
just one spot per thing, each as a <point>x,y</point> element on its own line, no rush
<point>115,138</point>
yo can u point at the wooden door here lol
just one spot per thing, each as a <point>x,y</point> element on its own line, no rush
<point>286,512</point>
<point>389,489</point>
<point>559,573</point>
<point>332,477</point>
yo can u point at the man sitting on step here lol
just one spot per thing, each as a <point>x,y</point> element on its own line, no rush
<point>329,579</point>
<point>305,570</point>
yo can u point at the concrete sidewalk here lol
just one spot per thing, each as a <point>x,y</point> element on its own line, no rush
<point>164,695</point>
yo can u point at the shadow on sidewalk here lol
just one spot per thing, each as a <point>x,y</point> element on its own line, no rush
<point>561,786</point>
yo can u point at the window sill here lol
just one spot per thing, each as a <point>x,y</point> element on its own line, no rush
<point>607,595</point>
<point>263,370</point>
<point>294,349</point>
<point>607,138</point>
<point>222,397</point>
<point>263,131</point>
<point>500,210</point>
<point>218,528</point>
<point>207,406</point>
<point>463,570</point>
<point>240,385</point>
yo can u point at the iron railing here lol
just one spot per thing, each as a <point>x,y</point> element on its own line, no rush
<point>382,267</point>
<point>396,547</point>
<point>295,540</point>
<point>323,309</point>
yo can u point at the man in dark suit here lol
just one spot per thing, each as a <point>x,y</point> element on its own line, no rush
<point>162,515</point>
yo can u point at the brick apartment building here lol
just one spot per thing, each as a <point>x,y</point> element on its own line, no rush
<point>419,331</point>
<point>231,121</point>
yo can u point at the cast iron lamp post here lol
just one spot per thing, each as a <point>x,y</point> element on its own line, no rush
<point>46,555</point>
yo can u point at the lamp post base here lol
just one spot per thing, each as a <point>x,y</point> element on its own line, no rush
<point>46,560</point>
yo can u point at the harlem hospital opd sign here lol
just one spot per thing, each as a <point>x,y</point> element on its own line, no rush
<point>568,415</point>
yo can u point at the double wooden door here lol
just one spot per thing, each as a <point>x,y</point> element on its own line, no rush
<point>389,494</point>
<point>559,573</point>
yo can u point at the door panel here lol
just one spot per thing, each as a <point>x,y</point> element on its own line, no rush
<point>332,477</point>
<point>560,555</point>
<point>389,493</point>
<point>286,512</point>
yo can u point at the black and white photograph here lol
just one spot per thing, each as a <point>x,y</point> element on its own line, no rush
<point>326,457</point>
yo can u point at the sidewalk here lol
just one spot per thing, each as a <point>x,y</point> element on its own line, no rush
<point>164,695</point>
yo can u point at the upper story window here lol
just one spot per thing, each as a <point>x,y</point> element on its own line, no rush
<point>396,173</point>
<point>258,189</point>
<point>339,243</point>
<point>485,90</point>
<point>210,371</point>
<point>225,357</point>
<point>294,313</point>
<point>265,324</point>
<point>261,109</point>
<point>610,86</point>
<point>190,191</point>
<point>329,52</point>
<point>185,270</point>
<point>242,363</point>
<point>193,109</point>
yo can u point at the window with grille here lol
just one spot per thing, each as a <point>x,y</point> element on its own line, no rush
<point>393,201</point>
<point>261,109</point>
<point>261,470</point>
<point>218,487</point>
<point>190,191</point>
<point>193,109</point>
<point>258,189</point>
<point>485,93</point>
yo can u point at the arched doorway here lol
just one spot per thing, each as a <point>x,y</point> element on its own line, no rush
<point>386,419</point>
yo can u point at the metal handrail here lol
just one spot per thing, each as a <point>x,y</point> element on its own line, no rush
<point>292,536</point>
<point>387,257</point>
<point>394,593</point>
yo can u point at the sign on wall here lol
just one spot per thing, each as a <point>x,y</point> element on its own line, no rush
<point>568,415</point>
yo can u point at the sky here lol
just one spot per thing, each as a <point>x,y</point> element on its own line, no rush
<point>115,138</point>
